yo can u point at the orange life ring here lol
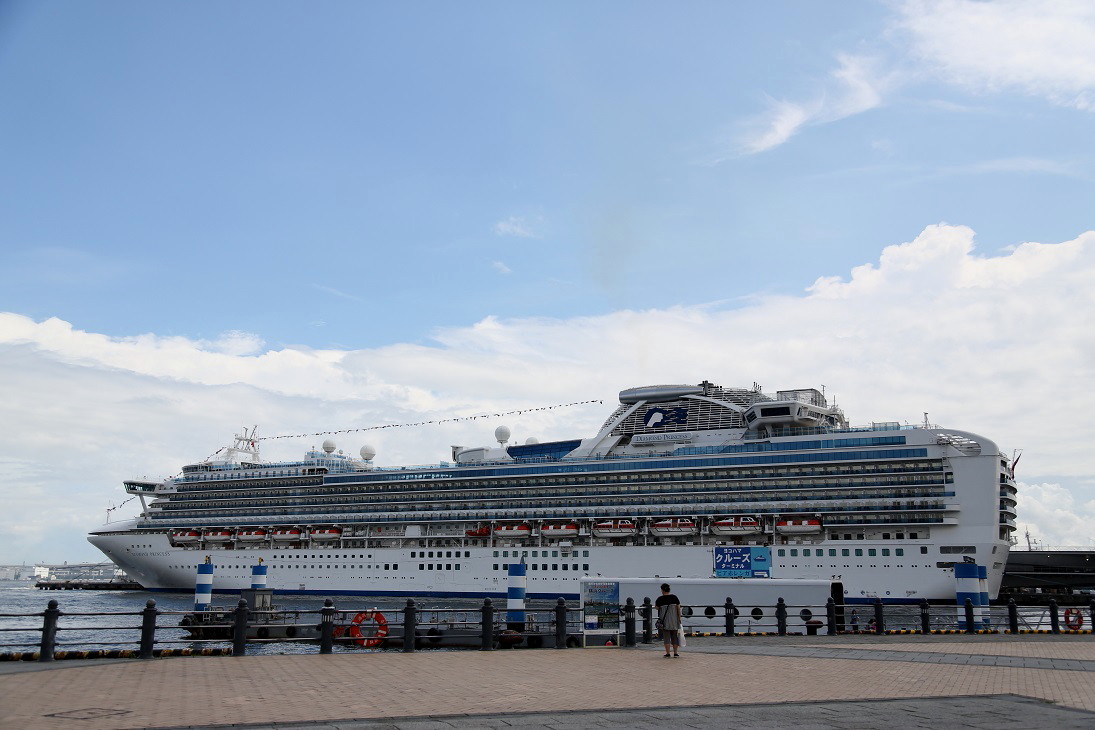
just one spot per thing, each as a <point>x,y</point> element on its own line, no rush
<point>1074,618</point>
<point>377,637</point>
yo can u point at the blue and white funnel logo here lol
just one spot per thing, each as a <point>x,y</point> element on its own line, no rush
<point>656,417</point>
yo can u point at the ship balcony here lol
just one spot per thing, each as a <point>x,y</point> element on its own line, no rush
<point>1008,510</point>
<point>1005,520</point>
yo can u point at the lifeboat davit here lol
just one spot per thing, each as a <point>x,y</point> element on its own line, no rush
<point>737,525</point>
<point>675,527</point>
<point>559,529</point>
<point>288,534</point>
<point>519,531</point>
<point>217,535</point>
<point>325,533</point>
<point>806,526</point>
<point>615,528</point>
<point>478,532</point>
<point>186,536</point>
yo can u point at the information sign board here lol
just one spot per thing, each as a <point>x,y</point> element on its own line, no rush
<point>742,562</point>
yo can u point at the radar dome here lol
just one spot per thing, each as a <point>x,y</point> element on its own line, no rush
<point>367,452</point>
<point>502,434</point>
<point>531,440</point>
<point>329,446</point>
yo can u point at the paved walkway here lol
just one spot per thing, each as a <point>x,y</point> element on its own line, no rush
<point>807,682</point>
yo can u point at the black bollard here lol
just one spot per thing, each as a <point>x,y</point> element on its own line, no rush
<point>1091,611</point>
<point>781,617</point>
<point>49,631</point>
<point>1013,616</point>
<point>969,617</point>
<point>1054,617</point>
<point>410,626</point>
<point>561,624</point>
<point>239,629</point>
<point>629,622</point>
<point>878,617</point>
<point>327,627</point>
<point>148,629</point>
<point>487,634</point>
<point>731,614</point>
<point>925,617</point>
<point>648,621</point>
<point>830,616</point>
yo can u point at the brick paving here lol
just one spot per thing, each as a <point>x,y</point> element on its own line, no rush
<point>560,688</point>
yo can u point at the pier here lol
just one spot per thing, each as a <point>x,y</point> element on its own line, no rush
<point>88,585</point>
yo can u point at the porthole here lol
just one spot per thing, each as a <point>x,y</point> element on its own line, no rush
<point>757,614</point>
<point>806,614</point>
<point>709,612</point>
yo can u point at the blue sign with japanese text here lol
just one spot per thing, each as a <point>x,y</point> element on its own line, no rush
<point>743,562</point>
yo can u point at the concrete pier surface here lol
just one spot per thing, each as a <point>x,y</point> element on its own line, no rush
<point>995,681</point>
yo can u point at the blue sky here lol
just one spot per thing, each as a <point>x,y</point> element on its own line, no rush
<point>460,188</point>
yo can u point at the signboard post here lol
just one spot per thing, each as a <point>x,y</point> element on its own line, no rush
<point>600,613</point>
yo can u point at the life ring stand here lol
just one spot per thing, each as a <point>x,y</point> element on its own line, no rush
<point>1074,618</point>
<point>379,632</point>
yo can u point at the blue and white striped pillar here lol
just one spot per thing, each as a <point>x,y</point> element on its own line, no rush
<point>983,586</point>
<point>258,576</point>
<point>203,586</point>
<point>515,597</point>
<point>967,586</point>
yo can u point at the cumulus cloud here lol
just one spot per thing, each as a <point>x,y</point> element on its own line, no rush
<point>1001,345</point>
<point>1053,516</point>
<point>516,226</point>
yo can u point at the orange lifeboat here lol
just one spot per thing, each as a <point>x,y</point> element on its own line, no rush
<point>185,537</point>
<point>478,532</point>
<point>286,534</point>
<point>615,528</point>
<point>559,529</point>
<point>217,535</point>
<point>803,526</point>
<point>675,527</point>
<point>255,535</point>
<point>520,531</point>
<point>325,533</point>
<point>737,525</point>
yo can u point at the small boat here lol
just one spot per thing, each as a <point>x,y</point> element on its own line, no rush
<point>804,526</point>
<point>520,531</point>
<point>675,527</point>
<point>559,529</point>
<point>478,532</point>
<point>287,534</point>
<point>217,535</point>
<point>615,528</point>
<point>255,535</point>
<point>186,536</point>
<point>325,533</point>
<point>736,525</point>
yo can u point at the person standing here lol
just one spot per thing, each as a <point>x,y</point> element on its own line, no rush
<point>669,620</point>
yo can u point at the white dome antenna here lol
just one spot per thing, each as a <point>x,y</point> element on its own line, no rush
<point>502,434</point>
<point>531,440</point>
<point>329,446</point>
<point>367,452</point>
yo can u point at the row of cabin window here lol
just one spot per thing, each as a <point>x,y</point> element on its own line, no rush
<point>525,553</point>
<point>782,552</point>
<point>448,554</point>
<point>544,566</point>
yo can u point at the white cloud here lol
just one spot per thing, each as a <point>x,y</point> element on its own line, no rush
<point>500,267</point>
<point>1053,516</point>
<point>1042,48</point>
<point>516,226</point>
<point>998,345</point>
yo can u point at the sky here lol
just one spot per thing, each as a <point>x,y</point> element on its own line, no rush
<point>345,215</point>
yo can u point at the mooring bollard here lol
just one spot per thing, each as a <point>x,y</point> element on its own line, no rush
<point>1013,616</point>
<point>148,629</point>
<point>327,627</point>
<point>925,616</point>
<point>1054,617</point>
<point>1091,611</point>
<point>488,626</point>
<point>410,626</point>
<point>879,617</point>
<point>561,624</point>
<point>830,616</point>
<point>49,631</point>
<point>731,614</point>
<point>969,617</point>
<point>239,629</point>
<point>629,622</point>
<point>781,617</point>
<point>648,621</point>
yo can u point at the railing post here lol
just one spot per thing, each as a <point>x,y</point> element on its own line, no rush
<point>781,617</point>
<point>410,626</point>
<point>1013,616</point>
<point>830,616</point>
<point>49,631</point>
<point>561,624</point>
<point>925,616</point>
<point>1091,611</point>
<point>239,629</point>
<point>488,626</point>
<point>327,627</point>
<point>648,621</point>
<point>731,615</point>
<point>879,618</point>
<point>629,622</point>
<point>969,617</point>
<point>1054,617</point>
<point>148,628</point>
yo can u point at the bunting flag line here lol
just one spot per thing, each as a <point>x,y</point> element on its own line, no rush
<point>429,423</point>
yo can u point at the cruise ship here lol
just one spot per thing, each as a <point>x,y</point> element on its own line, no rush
<point>681,481</point>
